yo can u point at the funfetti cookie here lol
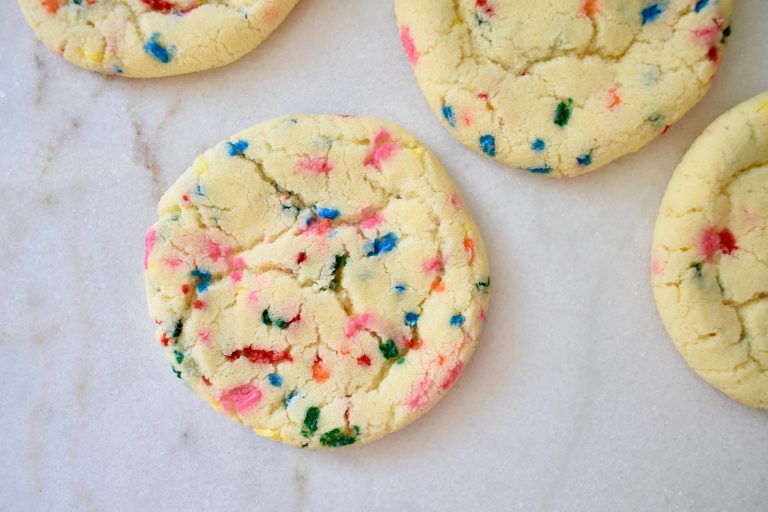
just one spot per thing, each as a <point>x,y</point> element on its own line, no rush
<point>152,38</point>
<point>710,254</point>
<point>318,279</point>
<point>562,87</point>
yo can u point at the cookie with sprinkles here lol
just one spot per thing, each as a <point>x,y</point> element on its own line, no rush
<point>318,279</point>
<point>153,38</point>
<point>562,87</point>
<point>710,254</point>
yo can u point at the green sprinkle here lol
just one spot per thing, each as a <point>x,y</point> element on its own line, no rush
<point>336,437</point>
<point>265,319</point>
<point>563,112</point>
<point>179,356</point>
<point>176,372</point>
<point>310,421</point>
<point>281,324</point>
<point>697,266</point>
<point>726,34</point>
<point>389,349</point>
<point>177,329</point>
<point>401,360</point>
<point>338,263</point>
<point>482,286</point>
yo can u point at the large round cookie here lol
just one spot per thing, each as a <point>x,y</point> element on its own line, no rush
<point>318,279</point>
<point>710,254</point>
<point>562,87</point>
<point>151,38</point>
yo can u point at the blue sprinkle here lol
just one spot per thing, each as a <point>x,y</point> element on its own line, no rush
<point>651,12</point>
<point>275,379</point>
<point>448,115</point>
<point>584,160</point>
<point>290,397</point>
<point>540,170</point>
<point>204,278</point>
<point>700,5</point>
<point>538,145</point>
<point>488,144</point>
<point>400,288</point>
<point>457,320</point>
<point>157,50</point>
<point>328,213</point>
<point>384,243</point>
<point>411,319</point>
<point>237,148</point>
<point>199,190</point>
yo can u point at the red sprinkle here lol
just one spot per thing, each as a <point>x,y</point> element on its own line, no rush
<point>159,5</point>
<point>206,381</point>
<point>727,241</point>
<point>185,289</point>
<point>165,340</point>
<point>364,360</point>
<point>185,198</point>
<point>198,304</point>
<point>712,54</point>
<point>301,257</point>
<point>261,356</point>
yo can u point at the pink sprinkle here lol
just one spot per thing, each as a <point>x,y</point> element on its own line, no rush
<point>253,298</point>
<point>482,314</point>
<point>240,398</point>
<point>452,376</point>
<point>355,325</point>
<point>318,165</point>
<point>433,264</point>
<point>709,242</point>
<point>205,337</point>
<point>238,263</point>
<point>467,118</point>
<point>149,244</point>
<point>214,250</point>
<point>383,149</point>
<point>371,218</point>
<point>706,34</point>
<point>419,393</point>
<point>657,266</point>
<point>410,48</point>
<point>455,200</point>
<point>236,276</point>
<point>173,262</point>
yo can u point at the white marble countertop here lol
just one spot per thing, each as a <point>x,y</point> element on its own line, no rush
<point>575,400</point>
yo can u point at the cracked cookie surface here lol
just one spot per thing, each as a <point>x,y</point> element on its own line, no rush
<point>318,279</point>
<point>562,87</point>
<point>710,254</point>
<point>153,38</point>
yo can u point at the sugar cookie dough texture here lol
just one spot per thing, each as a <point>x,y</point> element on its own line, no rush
<point>318,279</point>
<point>562,87</point>
<point>152,38</point>
<point>710,254</point>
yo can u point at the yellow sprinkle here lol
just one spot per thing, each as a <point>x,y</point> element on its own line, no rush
<point>94,57</point>
<point>269,433</point>
<point>763,107</point>
<point>200,165</point>
<point>416,148</point>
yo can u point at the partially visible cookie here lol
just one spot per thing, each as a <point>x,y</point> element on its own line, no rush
<point>318,279</point>
<point>710,254</point>
<point>562,87</point>
<point>152,38</point>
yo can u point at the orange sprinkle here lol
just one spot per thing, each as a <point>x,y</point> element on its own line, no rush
<point>441,360</point>
<point>438,285</point>
<point>319,372</point>
<point>614,100</point>
<point>52,6</point>
<point>469,246</point>
<point>591,7</point>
